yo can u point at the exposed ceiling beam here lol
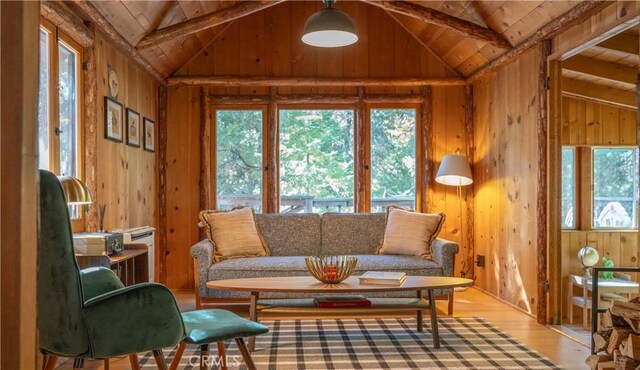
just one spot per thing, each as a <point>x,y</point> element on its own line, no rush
<point>606,70</point>
<point>69,23</point>
<point>599,93</point>
<point>623,43</point>
<point>203,22</point>
<point>90,12</point>
<point>579,12</point>
<point>438,18</point>
<point>261,81</point>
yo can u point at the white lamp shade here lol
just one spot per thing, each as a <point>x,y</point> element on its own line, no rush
<point>329,28</point>
<point>454,170</point>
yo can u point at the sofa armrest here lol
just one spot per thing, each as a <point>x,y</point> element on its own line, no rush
<point>443,254</point>
<point>203,254</point>
<point>98,280</point>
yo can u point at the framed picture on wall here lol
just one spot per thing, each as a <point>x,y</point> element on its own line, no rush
<point>133,128</point>
<point>149,135</point>
<point>113,117</point>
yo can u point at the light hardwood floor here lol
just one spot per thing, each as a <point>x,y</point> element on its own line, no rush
<point>471,303</point>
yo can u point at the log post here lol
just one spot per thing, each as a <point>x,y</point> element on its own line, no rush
<point>90,87</point>
<point>426,125</point>
<point>361,162</point>
<point>271,167</point>
<point>205,154</point>
<point>468,266</point>
<point>161,159</point>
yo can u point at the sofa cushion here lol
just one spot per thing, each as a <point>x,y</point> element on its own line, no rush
<point>410,233</point>
<point>359,233</point>
<point>291,234</point>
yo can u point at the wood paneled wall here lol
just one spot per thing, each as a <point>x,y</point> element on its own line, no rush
<point>590,123</point>
<point>266,44</point>
<point>125,175</point>
<point>506,163</point>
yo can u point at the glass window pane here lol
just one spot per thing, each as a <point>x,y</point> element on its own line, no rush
<point>615,188</point>
<point>568,188</point>
<point>316,161</point>
<point>43,102</point>
<point>68,110</point>
<point>393,158</point>
<point>239,159</point>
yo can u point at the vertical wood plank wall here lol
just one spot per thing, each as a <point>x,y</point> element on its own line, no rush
<point>262,44</point>
<point>125,175</point>
<point>506,163</point>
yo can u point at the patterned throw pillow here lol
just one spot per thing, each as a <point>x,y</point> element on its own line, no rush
<point>233,234</point>
<point>410,233</point>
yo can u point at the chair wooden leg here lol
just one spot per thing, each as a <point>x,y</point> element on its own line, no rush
<point>204,354</point>
<point>178,356</point>
<point>222,355</point>
<point>244,351</point>
<point>450,304</point>
<point>78,363</point>
<point>159,357</point>
<point>50,362</point>
<point>106,364</point>
<point>133,359</point>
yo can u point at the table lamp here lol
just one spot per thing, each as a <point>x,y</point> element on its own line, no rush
<point>454,170</point>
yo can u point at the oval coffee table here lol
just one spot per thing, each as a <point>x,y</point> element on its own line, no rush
<point>308,284</point>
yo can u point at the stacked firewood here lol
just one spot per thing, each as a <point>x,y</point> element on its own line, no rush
<point>618,343</point>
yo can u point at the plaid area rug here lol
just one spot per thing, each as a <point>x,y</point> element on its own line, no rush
<point>466,343</point>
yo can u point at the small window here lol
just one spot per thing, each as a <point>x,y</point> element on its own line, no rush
<point>44,102</point>
<point>393,158</point>
<point>568,188</point>
<point>316,161</point>
<point>615,188</point>
<point>239,158</point>
<point>68,109</point>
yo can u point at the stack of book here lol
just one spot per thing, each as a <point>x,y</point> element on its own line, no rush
<point>342,301</point>
<point>383,278</point>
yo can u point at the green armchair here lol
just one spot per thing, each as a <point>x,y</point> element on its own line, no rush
<point>89,314</point>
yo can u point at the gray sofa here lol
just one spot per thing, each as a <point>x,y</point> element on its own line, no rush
<point>292,237</point>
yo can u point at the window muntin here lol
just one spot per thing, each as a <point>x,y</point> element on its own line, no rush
<point>568,188</point>
<point>316,160</point>
<point>393,158</point>
<point>615,188</point>
<point>239,158</point>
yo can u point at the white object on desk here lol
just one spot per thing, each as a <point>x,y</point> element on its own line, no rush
<point>144,235</point>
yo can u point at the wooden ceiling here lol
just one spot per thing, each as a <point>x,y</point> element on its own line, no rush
<point>498,25</point>
<point>605,72</point>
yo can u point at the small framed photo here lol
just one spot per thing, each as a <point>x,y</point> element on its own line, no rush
<point>133,128</point>
<point>113,117</point>
<point>149,135</point>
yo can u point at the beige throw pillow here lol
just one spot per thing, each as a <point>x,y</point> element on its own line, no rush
<point>410,233</point>
<point>233,234</point>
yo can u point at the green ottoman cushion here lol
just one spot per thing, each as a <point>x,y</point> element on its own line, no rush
<point>208,326</point>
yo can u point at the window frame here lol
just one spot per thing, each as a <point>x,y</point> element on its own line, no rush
<point>576,201</point>
<point>214,148</point>
<point>592,226</point>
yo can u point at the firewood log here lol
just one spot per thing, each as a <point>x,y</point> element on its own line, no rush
<point>630,347</point>
<point>633,324</point>
<point>610,320</point>
<point>625,363</point>
<point>593,360</point>
<point>608,365</point>
<point>617,336</point>
<point>627,310</point>
<point>601,339</point>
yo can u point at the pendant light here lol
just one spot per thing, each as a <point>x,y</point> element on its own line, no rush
<point>329,28</point>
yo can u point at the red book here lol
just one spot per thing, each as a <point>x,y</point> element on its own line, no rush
<point>342,301</point>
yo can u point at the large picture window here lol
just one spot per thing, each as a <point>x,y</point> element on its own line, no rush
<point>393,158</point>
<point>568,188</point>
<point>239,158</point>
<point>316,160</point>
<point>615,188</point>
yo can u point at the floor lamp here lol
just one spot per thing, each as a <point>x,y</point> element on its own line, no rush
<point>455,171</point>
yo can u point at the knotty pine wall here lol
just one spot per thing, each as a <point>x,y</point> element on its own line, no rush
<point>263,44</point>
<point>125,175</point>
<point>505,180</point>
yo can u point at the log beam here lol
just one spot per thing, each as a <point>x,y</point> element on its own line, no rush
<point>56,13</point>
<point>599,68</point>
<point>317,99</point>
<point>361,159</point>
<point>162,184</point>
<point>602,94</point>
<point>575,14</point>
<point>90,88</point>
<point>264,81</point>
<point>92,14</point>
<point>203,22</point>
<point>426,125</point>
<point>468,265</point>
<point>205,154</point>
<point>438,18</point>
<point>272,177</point>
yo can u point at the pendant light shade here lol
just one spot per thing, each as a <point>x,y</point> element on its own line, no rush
<point>329,28</point>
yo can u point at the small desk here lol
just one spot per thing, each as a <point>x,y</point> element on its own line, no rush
<point>608,289</point>
<point>131,265</point>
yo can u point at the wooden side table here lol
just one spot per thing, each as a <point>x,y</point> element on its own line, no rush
<point>131,265</point>
<point>609,289</point>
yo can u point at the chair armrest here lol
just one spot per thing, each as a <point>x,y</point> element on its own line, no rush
<point>443,254</point>
<point>134,319</point>
<point>203,254</point>
<point>97,281</point>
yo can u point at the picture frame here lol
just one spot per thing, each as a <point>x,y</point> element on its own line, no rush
<point>149,135</point>
<point>113,119</point>
<point>133,128</point>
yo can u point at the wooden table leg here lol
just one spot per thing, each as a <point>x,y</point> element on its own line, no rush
<point>253,316</point>
<point>434,319</point>
<point>419,314</point>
